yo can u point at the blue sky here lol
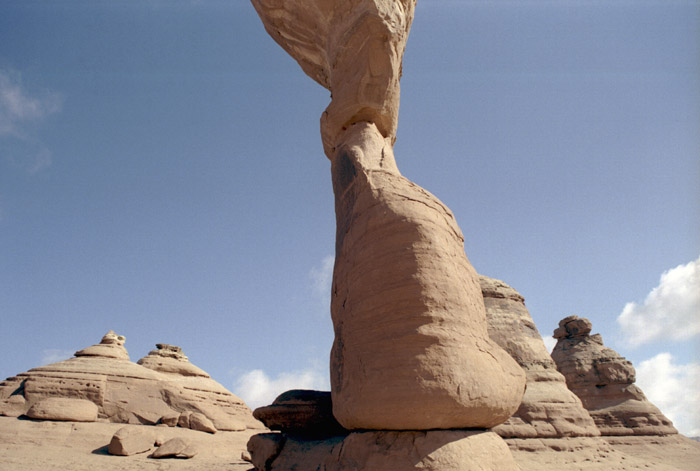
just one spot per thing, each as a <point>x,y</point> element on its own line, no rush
<point>161,174</point>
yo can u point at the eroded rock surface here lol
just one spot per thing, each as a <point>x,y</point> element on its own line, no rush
<point>409,319</point>
<point>548,409</point>
<point>354,48</point>
<point>301,412</point>
<point>604,381</point>
<point>433,450</point>
<point>125,392</point>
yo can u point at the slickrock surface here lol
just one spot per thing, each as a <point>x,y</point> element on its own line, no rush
<point>548,409</point>
<point>433,450</point>
<point>604,381</point>
<point>124,392</point>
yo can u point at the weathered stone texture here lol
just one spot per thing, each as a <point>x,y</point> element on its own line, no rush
<point>354,48</point>
<point>548,409</point>
<point>125,392</point>
<point>409,317</point>
<point>604,381</point>
<point>434,450</point>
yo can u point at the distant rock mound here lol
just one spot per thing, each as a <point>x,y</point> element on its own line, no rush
<point>604,381</point>
<point>548,409</point>
<point>165,387</point>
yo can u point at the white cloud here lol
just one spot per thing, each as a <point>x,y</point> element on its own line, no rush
<point>670,311</point>
<point>322,278</point>
<point>18,107</point>
<point>673,388</point>
<point>18,111</point>
<point>53,355</point>
<point>257,389</point>
<point>549,342</point>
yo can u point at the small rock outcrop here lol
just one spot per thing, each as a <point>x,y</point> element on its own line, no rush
<point>111,346</point>
<point>548,409</point>
<point>604,381</point>
<point>100,383</point>
<point>170,359</point>
<point>301,413</point>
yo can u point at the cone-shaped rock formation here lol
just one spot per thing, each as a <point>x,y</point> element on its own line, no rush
<point>604,381</point>
<point>125,392</point>
<point>548,409</point>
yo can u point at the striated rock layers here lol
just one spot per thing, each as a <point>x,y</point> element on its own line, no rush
<point>604,381</point>
<point>548,409</point>
<point>100,383</point>
<point>409,320</point>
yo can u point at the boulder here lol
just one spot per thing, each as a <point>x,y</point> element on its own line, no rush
<point>604,381</point>
<point>434,450</point>
<point>63,408</point>
<point>301,412</point>
<point>201,423</point>
<point>131,440</point>
<point>175,448</point>
<point>548,409</point>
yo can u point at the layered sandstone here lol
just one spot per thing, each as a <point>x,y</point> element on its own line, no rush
<point>409,318</point>
<point>604,381</point>
<point>548,409</point>
<point>122,391</point>
<point>406,305</point>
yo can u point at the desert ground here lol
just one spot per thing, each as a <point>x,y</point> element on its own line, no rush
<point>27,445</point>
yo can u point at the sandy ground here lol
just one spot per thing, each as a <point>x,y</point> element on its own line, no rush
<point>27,445</point>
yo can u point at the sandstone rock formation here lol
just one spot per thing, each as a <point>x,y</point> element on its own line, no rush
<point>125,392</point>
<point>170,359</point>
<point>131,440</point>
<point>111,346</point>
<point>301,413</point>
<point>175,448</point>
<point>432,450</point>
<point>548,409</point>
<point>63,408</point>
<point>354,48</point>
<point>604,381</point>
<point>406,305</point>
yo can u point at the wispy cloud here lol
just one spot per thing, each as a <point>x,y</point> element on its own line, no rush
<point>321,277</point>
<point>257,389</point>
<point>670,311</point>
<point>673,388</point>
<point>20,110</point>
<point>53,355</point>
